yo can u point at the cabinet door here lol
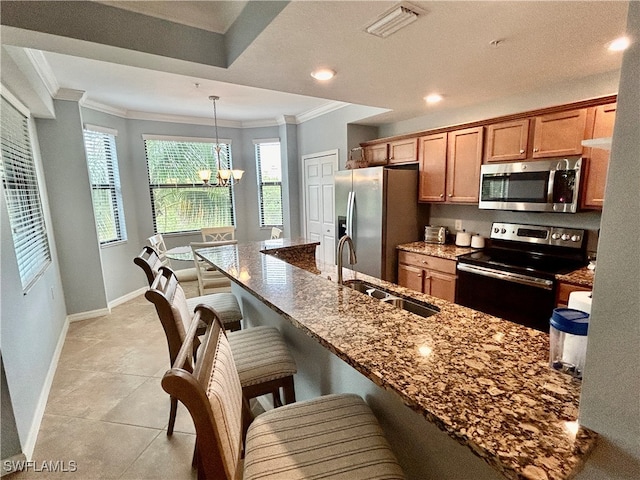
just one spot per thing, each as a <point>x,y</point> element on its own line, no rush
<point>507,141</point>
<point>403,151</point>
<point>410,277</point>
<point>376,154</point>
<point>597,159</point>
<point>464,157</point>
<point>559,134</point>
<point>442,285</point>
<point>432,153</point>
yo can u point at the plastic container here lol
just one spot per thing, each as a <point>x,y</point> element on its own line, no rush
<point>568,340</point>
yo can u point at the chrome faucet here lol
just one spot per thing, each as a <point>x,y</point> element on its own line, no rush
<point>352,254</point>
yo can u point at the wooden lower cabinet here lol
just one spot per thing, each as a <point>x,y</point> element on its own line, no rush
<point>426,274</point>
<point>564,290</point>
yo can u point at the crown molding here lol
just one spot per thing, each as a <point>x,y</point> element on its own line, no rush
<point>70,94</point>
<point>287,119</point>
<point>44,70</point>
<point>101,107</point>
<point>322,110</point>
<point>160,117</point>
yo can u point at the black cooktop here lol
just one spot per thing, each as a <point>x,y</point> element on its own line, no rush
<point>532,250</point>
<point>535,263</point>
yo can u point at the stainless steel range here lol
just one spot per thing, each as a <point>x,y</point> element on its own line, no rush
<point>514,277</point>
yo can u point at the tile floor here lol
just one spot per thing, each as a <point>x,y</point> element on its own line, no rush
<point>107,412</point>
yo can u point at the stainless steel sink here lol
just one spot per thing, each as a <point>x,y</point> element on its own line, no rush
<point>414,306</point>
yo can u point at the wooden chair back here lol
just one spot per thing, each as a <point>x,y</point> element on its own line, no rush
<point>149,261</point>
<point>218,234</point>
<point>171,305</point>
<point>157,242</point>
<point>213,395</point>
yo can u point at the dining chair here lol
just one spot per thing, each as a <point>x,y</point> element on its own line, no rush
<point>275,232</point>
<point>224,303</point>
<point>333,436</point>
<point>209,278</point>
<point>261,356</point>
<point>157,242</point>
<point>218,234</point>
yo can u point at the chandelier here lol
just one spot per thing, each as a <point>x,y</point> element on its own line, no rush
<point>224,177</point>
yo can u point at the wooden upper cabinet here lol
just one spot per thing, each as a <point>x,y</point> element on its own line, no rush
<point>432,155</point>
<point>403,151</point>
<point>597,159</point>
<point>559,134</point>
<point>464,157</point>
<point>376,154</point>
<point>507,141</point>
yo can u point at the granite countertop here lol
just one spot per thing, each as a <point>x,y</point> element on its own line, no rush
<point>448,251</point>
<point>482,380</point>
<point>582,277</point>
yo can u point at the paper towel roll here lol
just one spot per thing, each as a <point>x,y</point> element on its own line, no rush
<point>580,301</point>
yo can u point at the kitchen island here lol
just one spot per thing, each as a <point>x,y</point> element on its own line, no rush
<point>481,380</point>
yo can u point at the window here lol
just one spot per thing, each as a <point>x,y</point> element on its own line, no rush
<point>179,201</point>
<point>20,184</point>
<point>102,160</point>
<point>269,170</point>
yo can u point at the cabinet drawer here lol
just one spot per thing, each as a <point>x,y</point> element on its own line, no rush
<point>426,261</point>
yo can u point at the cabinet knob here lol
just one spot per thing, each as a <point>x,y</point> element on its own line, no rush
<point>442,195</point>
<point>535,149</point>
<point>451,195</point>
<point>521,151</point>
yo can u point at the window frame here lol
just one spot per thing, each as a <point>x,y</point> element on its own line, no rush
<point>196,182</point>
<point>258,143</point>
<point>108,136</point>
<point>32,246</point>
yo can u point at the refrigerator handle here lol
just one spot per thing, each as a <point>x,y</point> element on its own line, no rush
<point>350,203</point>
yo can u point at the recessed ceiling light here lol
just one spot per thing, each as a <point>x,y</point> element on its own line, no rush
<point>433,98</point>
<point>323,74</point>
<point>619,44</point>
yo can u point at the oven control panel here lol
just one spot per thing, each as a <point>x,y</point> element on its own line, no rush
<point>556,236</point>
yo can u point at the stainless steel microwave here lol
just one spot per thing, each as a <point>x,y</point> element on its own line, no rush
<point>541,186</point>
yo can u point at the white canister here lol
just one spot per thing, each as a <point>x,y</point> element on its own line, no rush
<point>463,239</point>
<point>477,241</point>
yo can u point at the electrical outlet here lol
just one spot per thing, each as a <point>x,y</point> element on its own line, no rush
<point>458,224</point>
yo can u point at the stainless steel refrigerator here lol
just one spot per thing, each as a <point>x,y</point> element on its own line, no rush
<point>378,208</point>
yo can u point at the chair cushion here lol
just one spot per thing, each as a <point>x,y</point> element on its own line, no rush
<point>226,304</point>
<point>334,436</point>
<point>186,274</point>
<point>261,354</point>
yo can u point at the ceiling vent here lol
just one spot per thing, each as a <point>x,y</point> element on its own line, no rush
<point>393,20</point>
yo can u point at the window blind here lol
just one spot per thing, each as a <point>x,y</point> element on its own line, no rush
<point>269,169</point>
<point>20,183</point>
<point>102,162</point>
<point>180,202</point>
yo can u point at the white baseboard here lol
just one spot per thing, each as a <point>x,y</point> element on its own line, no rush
<point>127,297</point>
<point>30,442</point>
<point>101,312</point>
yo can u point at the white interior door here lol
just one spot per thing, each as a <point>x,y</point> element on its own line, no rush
<point>320,223</point>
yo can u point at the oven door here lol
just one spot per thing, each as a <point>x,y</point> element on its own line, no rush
<point>522,299</point>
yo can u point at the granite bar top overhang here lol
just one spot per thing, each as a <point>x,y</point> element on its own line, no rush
<point>482,380</point>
